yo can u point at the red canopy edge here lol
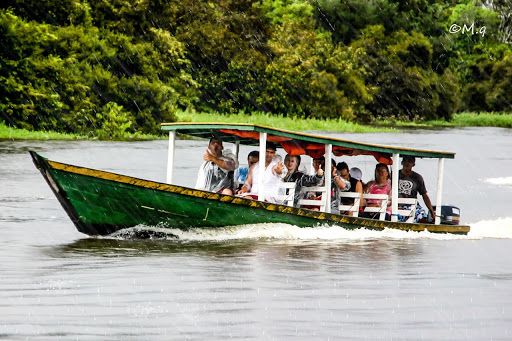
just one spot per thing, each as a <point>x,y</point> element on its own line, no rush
<point>312,149</point>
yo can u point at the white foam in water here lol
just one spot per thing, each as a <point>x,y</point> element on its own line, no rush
<point>500,228</point>
<point>500,181</point>
<point>278,232</point>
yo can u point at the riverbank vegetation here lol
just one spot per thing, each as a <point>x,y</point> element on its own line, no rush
<point>10,133</point>
<point>501,120</point>
<point>110,69</point>
<point>289,123</point>
<point>465,119</point>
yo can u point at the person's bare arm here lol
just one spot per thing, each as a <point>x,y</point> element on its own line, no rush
<point>226,164</point>
<point>248,182</point>
<point>340,183</point>
<point>426,199</point>
<point>359,189</point>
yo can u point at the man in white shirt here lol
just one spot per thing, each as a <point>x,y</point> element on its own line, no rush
<point>216,172</point>
<point>272,178</point>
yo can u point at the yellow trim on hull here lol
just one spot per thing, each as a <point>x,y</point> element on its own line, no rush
<point>362,222</point>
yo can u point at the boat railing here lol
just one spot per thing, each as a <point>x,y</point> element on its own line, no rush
<point>407,209</point>
<point>354,208</point>
<point>286,193</point>
<point>377,209</point>
<point>320,202</point>
<point>407,206</point>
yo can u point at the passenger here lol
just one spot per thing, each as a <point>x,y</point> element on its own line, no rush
<point>356,186</point>
<point>318,163</point>
<point>337,185</point>
<point>343,172</point>
<point>410,184</point>
<point>292,163</point>
<point>273,176</point>
<point>356,173</point>
<point>216,172</point>
<point>241,172</point>
<point>381,185</point>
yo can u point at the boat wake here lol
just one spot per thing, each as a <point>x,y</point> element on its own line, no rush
<point>500,181</point>
<point>500,228</point>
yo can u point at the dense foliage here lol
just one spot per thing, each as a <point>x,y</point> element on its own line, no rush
<point>105,67</point>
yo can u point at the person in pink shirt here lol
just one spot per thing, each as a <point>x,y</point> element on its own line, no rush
<point>381,185</point>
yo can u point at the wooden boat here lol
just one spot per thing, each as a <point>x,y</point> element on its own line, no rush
<point>100,203</point>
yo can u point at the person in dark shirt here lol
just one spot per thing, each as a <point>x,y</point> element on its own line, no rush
<point>338,184</point>
<point>410,184</point>
<point>292,163</point>
<point>356,186</point>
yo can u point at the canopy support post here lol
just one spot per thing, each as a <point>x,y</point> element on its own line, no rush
<point>237,149</point>
<point>170,156</point>
<point>440,174</point>
<point>261,177</point>
<point>394,187</point>
<point>328,176</point>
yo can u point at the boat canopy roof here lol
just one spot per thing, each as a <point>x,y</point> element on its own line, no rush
<point>296,143</point>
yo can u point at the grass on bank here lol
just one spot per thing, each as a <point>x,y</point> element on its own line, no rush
<point>288,123</point>
<point>487,119</point>
<point>9,133</point>
<point>466,119</point>
<point>294,124</point>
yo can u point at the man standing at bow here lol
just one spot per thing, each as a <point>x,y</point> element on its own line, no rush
<point>216,172</point>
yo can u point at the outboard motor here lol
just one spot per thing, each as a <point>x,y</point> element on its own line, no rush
<point>450,215</point>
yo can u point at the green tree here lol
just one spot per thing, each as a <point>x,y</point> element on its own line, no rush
<point>345,19</point>
<point>479,26</point>
<point>399,66</point>
<point>499,96</point>
<point>56,77</point>
<point>113,122</point>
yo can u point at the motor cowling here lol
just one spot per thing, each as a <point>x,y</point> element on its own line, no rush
<point>450,215</point>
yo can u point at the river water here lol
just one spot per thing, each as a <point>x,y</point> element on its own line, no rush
<point>259,282</point>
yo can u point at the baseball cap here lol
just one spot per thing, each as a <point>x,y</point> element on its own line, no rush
<point>356,173</point>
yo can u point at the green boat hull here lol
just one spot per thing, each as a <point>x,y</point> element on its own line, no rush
<point>100,203</point>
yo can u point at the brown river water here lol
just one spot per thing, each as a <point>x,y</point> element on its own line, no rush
<point>258,282</point>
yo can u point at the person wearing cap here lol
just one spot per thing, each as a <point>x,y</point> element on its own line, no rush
<point>216,172</point>
<point>353,176</point>
<point>410,184</point>
<point>272,177</point>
